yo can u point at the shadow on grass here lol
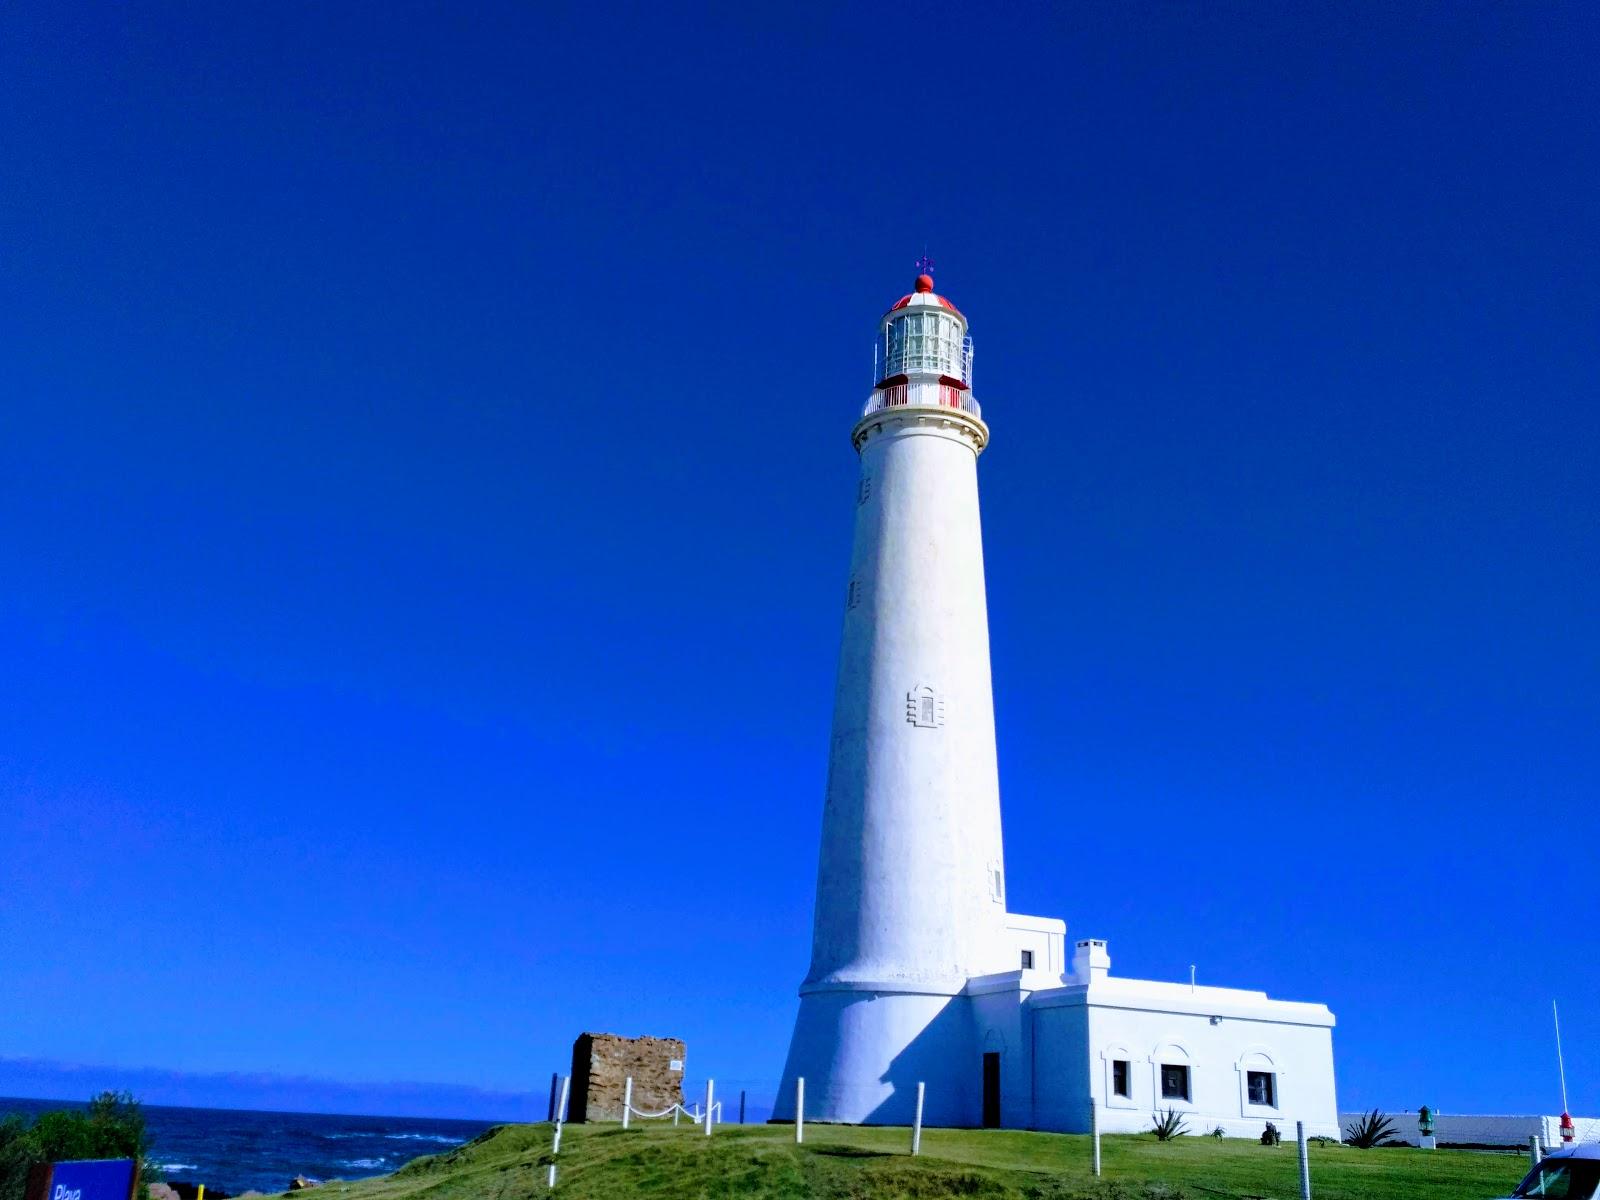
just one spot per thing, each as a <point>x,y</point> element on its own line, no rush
<point>852,1152</point>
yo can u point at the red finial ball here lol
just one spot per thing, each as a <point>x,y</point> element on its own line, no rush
<point>924,283</point>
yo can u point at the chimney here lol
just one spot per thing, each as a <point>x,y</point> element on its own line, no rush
<point>1091,960</point>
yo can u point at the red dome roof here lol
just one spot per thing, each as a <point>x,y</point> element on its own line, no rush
<point>923,287</point>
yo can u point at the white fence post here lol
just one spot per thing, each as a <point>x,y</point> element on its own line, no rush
<point>800,1110</point>
<point>561,1115</point>
<point>627,1100</point>
<point>676,1109</point>
<point>1094,1133</point>
<point>1305,1161</point>
<point>1533,1149</point>
<point>710,1112</point>
<point>916,1128</point>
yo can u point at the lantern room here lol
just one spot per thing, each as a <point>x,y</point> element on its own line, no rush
<point>924,355</point>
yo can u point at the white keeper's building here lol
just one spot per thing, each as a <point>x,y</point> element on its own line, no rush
<point>918,971</point>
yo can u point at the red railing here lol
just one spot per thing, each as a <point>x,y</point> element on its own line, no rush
<point>898,394</point>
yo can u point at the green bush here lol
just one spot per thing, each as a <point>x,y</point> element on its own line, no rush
<point>111,1127</point>
<point>1168,1125</point>
<point>1372,1129</point>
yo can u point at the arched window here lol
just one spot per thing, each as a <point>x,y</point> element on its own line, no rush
<point>1260,1083</point>
<point>1172,1073</point>
<point>1116,1061</point>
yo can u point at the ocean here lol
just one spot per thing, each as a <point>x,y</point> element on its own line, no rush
<point>235,1151</point>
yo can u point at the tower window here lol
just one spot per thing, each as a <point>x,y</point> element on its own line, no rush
<point>1122,1078</point>
<point>864,491</point>
<point>853,595</point>
<point>1174,1082</point>
<point>925,707</point>
<point>1027,960</point>
<point>1262,1087</point>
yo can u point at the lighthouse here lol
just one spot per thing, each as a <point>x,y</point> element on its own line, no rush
<point>911,879</point>
<point>920,974</point>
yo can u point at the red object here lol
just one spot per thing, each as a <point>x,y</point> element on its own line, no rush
<point>1566,1127</point>
<point>924,283</point>
<point>906,299</point>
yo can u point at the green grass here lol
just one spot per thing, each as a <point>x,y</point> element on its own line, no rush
<point>758,1162</point>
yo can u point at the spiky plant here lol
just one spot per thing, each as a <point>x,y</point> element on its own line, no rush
<point>1168,1125</point>
<point>1369,1130</point>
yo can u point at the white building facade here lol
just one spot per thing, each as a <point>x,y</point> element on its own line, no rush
<point>919,974</point>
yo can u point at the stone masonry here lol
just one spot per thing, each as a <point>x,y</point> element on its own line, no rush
<point>602,1061</point>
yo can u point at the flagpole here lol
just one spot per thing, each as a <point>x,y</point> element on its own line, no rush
<point>1560,1062</point>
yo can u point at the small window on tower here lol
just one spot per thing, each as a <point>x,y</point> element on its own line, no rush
<point>864,492</point>
<point>925,707</point>
<point>853,596</point>
<point>1027,960</point>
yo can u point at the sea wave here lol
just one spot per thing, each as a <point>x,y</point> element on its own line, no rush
<point>174,1166</point>
<point>443,1139</point>
<point>364,1164</point>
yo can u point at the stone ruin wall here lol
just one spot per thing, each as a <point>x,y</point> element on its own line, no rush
<point>601,1062</point>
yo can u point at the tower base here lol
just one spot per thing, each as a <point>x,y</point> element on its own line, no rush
<point>863,1049</point>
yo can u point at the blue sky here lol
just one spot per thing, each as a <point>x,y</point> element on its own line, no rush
<point>425,497</point>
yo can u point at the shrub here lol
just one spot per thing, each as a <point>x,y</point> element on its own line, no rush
<point>111,1127</point>
<point>1168,1125</point>
<point>1371,1129</point>
<point>1270,1135</point>
<point>16,1156</point>
<point>1219,1133</point>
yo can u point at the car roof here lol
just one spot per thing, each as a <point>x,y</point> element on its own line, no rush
<point>1587,1150</point>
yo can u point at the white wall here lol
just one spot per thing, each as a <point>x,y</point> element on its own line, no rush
<point>1060,1077</point>
<point>1218,1055</point>
<point>1045,936</point>
<point>1465,1129</point>
<point>1223,1035</point>
<point>1004,1028</point>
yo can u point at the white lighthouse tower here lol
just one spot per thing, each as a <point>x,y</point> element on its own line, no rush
<point>919,975</point>
<point>911,881</point>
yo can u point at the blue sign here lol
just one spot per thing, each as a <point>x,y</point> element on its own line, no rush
<point>94,1179</point>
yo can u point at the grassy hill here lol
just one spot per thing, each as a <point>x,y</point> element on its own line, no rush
<point>757,1162</point>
